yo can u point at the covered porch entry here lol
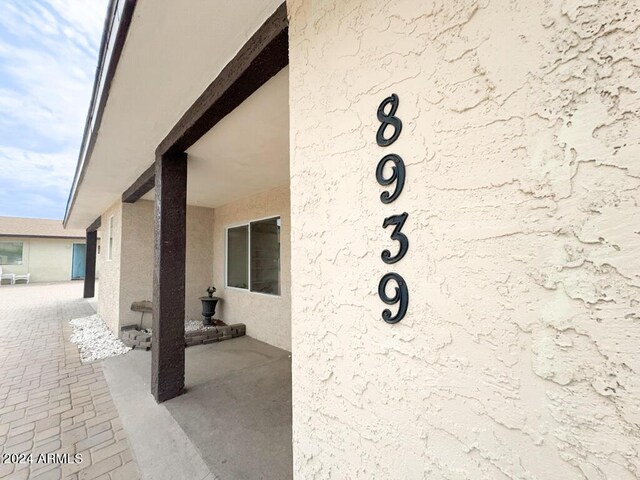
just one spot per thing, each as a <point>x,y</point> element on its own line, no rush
<point>202,199</point>
<point>230,399</point>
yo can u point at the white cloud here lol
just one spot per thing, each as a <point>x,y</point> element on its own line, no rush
<point>35,184</point>
<point>51,98</point>
<point>46,171</point>
<point>48,53</point>
<point>84,16</point>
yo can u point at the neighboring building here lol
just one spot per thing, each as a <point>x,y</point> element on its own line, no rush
<point>249,145</point>
<point>41,249</point>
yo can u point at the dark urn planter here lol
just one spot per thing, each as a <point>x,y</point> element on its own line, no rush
<point>209,306</point>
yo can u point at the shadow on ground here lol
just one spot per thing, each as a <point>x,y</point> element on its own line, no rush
<point>233,422</point>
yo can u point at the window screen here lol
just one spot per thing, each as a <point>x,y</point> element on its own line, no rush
<point>253,256</point>
<point>238,257</point>
<point>265,256</point>
<point>10,253</point>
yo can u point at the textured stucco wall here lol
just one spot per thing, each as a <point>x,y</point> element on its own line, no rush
<point>136,282</point>
<point>267,317</point>
<point>135,260</point>
<point>518,358</point>
<point>46,259</point>
<point>200,232</point>
<point>109,281</point>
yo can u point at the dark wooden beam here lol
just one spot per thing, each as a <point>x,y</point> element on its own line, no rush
<point>141,186</point>
<point>97,223</point>
<point>264,55</point>
<point>167,353</point>
<point>90,264</point>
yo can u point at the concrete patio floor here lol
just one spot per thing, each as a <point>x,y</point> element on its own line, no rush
<point>234,421</point>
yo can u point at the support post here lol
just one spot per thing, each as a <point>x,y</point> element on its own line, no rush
<point>90,264</point>
<point>90,258</point>
<point>167,352</point>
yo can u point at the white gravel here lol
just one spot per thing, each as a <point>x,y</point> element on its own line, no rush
<point>194,325</point>
<point>94,339</point>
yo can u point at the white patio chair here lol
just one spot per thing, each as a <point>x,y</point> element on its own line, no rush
<point>7,276</point>
<point>24,277</point>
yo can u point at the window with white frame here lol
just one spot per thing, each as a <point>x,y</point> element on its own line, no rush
<point>253,256</point>
<point>11,253</point>
<point>110,239</point>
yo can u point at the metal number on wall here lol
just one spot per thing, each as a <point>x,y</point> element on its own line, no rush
<point>397,175</point>
<point>388,120</point>
<point>401,297</point>
<point>398,221</point>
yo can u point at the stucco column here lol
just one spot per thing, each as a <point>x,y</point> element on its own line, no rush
<point>518,355</point>
<point>90,264</point>
<point>167,366</point>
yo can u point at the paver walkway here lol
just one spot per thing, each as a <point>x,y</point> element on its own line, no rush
<point>50,403</point>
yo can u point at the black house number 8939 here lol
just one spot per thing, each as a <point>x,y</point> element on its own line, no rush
<point>388,133</point>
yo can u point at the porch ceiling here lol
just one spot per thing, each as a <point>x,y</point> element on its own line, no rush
<point>171,55</point>
<point>245,153</point>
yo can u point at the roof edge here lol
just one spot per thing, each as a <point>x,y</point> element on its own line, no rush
<point>119,16</point>
<point>57,237</point>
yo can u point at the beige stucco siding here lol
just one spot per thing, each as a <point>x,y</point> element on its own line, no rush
<point>267,317</point>
<point>137,260</point>
<point>110,281</point>
<point>46,259</point>
<point>518,357</point>
<point>199,259</point>
<point>134,257</point>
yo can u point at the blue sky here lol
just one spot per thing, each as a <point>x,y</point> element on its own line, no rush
<point>48,55</point>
